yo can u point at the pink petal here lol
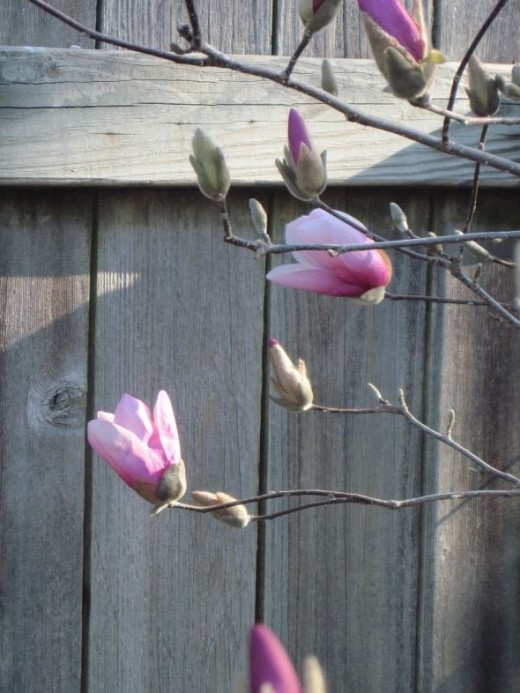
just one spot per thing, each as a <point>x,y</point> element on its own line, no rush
<point>134,415</point>
<point>297,134</point>
<point>105,416</point>
<point>321,282</point>
<point>166,429</point>
<point>125,453</point>
<point>270,663</point>
<point>393,18</point>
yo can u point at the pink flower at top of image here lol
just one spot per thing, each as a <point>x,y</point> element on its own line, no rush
<point>392,17</point>
<point>144,451</point>
<point>360,275</point>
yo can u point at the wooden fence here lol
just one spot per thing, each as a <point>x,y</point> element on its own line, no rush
<point>114,278</point>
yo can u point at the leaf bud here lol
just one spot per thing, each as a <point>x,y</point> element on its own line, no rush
<point>236,516</point>
<point>210,166</point>
<point>399,218</point>
<point>483,92</point>
<point>316,14</point>
<point>258,217</point>
<point>479,252</point>
<point>328,78</point>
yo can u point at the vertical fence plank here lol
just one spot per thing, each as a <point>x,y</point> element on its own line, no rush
<point>342,582</point>
<point>173,596</point>
<point>471,619</point>
<point>24,24</point>
<point>44,284</point>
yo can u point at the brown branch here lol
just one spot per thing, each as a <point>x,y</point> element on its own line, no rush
<point>472,206</point>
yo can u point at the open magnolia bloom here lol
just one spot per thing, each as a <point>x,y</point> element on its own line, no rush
<point>360,275</point>
<point>271,670</point>
<point>144,451</point>
<point>401,46</point>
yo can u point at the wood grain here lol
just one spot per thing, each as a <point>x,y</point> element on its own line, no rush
<point>84,117</point>
<point>44,289</point>
<point>177,310</point>
<point>343,582</point>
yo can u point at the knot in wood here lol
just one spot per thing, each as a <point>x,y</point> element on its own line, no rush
<point>64,405</point>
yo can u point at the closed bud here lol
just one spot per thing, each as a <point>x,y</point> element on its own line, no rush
<point>399,218</point>
<point>303,169</point>
<point>511,90</point>
<point>290,381</point>
<point>313,678</point>
<point>475,249</point>
<point>328,78</point>
<point>434,248</point>
<point>483,93</point>
<point>236,516</point>
<point>258,217</point>
<point>316,14</point>
<point>210,166</point>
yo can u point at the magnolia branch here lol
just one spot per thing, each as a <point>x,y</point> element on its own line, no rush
<point>341,497</point>
<point>211,57</point>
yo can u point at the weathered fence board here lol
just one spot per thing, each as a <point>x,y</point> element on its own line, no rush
<point>417,600</point>
<point>105,118</point>
<point>178,310</point>
<point>44,289</point>
<point>330,602</point>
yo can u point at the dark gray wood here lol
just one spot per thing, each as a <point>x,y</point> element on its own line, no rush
<point>44,292</point>
<point>471,617</point>
<point>24,24</point>
<point>177,310</point>
<point>343,582</point>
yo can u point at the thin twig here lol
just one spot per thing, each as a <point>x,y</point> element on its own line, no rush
<point>441,299</point>
<point>476,179</point>
<point>465,120</point>
<point>307,35</point>
<point>335,497</point>
<point>458,74</point>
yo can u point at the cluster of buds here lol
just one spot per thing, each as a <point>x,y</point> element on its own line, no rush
<point>400,45</point>
<point>303,169</point>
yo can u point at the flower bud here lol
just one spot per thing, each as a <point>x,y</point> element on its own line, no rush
<point>483,93</point>
<point>236,516</point>
<point>210,166</point>
<point>290,381</point>
<point>400,46</point>
<point>303,169</point>
<point>475,249</point>
<point>313,678</point>
<point>316,14</point>
<point>433,248</point>
<point>511,90</point>
<point>399,218</point>
<point>328,78</point>
<point>258,217</point>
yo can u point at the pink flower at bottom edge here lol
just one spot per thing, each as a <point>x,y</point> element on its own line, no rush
<point>269,663</point>
<point>360,275</point>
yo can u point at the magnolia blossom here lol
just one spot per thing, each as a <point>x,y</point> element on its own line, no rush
<point>361,275</point>
<point>400,45</point>
<point>269,663</point>
<point>144,451</point>
<point>303,168</point>
<point>271,670</point>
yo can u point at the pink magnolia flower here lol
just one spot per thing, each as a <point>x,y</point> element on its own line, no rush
<point>361,275</point>
<point>303,169</point>
<point>392,17</point>
<point>269,663</point>
<point>145,452</point>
